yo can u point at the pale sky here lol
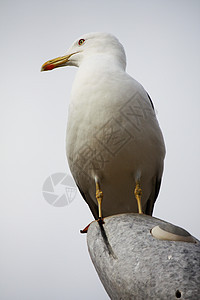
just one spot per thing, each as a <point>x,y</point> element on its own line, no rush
<point>42,253</point>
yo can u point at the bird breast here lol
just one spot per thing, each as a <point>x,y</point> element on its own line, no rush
<point>107,121</point>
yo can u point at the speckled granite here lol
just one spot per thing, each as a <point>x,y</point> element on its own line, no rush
<point>141,266</point>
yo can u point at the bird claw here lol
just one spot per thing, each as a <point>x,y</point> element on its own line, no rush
<point>101,221</point>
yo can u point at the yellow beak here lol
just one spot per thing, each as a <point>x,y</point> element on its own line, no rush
<point>56,62</point>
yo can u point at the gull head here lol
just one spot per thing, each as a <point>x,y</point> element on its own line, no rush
<point>87,46</point>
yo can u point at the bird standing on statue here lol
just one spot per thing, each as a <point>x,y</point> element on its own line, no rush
<point>115,147</point>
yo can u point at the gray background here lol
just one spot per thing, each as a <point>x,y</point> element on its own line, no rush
<point>42,254</point>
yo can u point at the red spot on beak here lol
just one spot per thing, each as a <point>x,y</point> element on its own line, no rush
<point>48,67</point>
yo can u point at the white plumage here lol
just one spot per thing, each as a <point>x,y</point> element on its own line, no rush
<point>112,134</point>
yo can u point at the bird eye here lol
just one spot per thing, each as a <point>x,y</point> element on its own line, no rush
<point>81,41</point>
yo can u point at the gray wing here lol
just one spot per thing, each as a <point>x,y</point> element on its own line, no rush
<point>151,101</point>
<point>152,199</point>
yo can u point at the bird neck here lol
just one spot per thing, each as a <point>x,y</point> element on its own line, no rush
<point>103,62</point>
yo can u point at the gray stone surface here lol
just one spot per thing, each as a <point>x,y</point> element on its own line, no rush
<point>132,264</point>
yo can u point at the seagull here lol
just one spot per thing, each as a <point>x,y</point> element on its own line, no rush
<point>114,144</point>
